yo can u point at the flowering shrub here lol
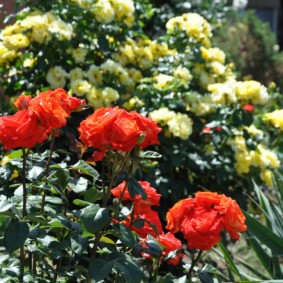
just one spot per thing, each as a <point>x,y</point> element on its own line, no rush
<point>82,235</point>
<point>127,89</point>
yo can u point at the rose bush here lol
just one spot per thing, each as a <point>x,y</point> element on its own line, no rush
<point>218,134</point>
<point>128,222</point>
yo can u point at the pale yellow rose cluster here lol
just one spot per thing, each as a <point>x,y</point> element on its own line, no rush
<point>181,76</point>
<point>128,77</point>
<point>275,118</point>
<point>200,105</point>
<point>178,124</point>
<point>79,54</point>
<point>6,55</point>
<point>106,11</point>
<point>36,27</point>
<point>90,82</point>
<point>195,26</point>
<point>261,157</point>
<point>232,91</point>
<point>212,72</point>
<point>141,53</point>
<point>84,83</point>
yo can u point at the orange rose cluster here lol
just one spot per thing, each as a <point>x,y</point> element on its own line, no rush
<point>143,212</point>
<point>201,219</point>
<point>36,118</point>
<point>117,129</point>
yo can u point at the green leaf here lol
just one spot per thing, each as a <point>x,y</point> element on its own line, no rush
<point>3,258</point>
<point>93,195</point>
<point>229,260</point>
<point>86,169</point>
<point>16,154</point>
<point>125,235</point>
<point>150,154</point>
<point>49,241</point>
<point>78,185</point>
<point>94,218</point>
<point>213,270</point>
<point>99,269</point>
<point>5,205</point>
<point>15,235</point>
<point>129,269</point>
<point>265,235</point>
<point>204,277</point>
<point>78,244</point>
<point>182,279</point>
<point>135,188</point>
<point>36,171</point>
<point>80,202</point>
<point>265,259</point>
<point>168,278</point>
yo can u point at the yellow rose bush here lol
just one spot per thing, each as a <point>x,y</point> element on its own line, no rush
<point>74,191</point>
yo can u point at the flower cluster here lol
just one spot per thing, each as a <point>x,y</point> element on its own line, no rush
<point>275,118</point>
<point>232,91</point>
<point>179,125</point>
<point>115,128</point>
<point>106,11</point>
<point>142,211</point>
<point>202,218</point>
<point>260,157</point>
<point>195,26</point>
<point>35,27</point>
<point>142,53</point>
<point>36,118</point>
<point>92,82</point>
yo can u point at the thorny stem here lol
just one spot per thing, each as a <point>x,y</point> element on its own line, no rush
<point>48,168</point>
<point>24,183</point>
<point>194,261</point>
<point>114,174</point>
<point>24,213</point>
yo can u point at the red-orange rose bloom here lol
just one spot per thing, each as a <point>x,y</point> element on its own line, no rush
<point>22,130</point>
<point>151,217</point>
<point>201,219</point>
<point>170,243</point>
<point>141,206</point>
<point>117,129</point>
<point>51,107</point>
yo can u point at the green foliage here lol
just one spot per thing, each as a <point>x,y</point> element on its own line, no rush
<point>266,239</point>
<point>252,46</point>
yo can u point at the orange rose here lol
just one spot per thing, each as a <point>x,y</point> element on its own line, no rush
<point>234,220</point>
<point>22,130</point>
<point>117,129</point>
<point>176,214</point>
<point>141,206</point>
<point>68,103</point>
<point>202,229</point>
<point>150,130</point>
<point>125,131</point>
<point>95,129</point>
<point>170,244</point>
<point>201,219</point>
<point>151,217</point>
<point>22,101</point>
<point>51,107</point>
<point>48,110</point>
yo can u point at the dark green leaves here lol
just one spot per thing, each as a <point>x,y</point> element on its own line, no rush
<point>100,268</point>
<point>86,169</point>
<point>135,188</point>
<point>94,218</point>
<point>15,235</point>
